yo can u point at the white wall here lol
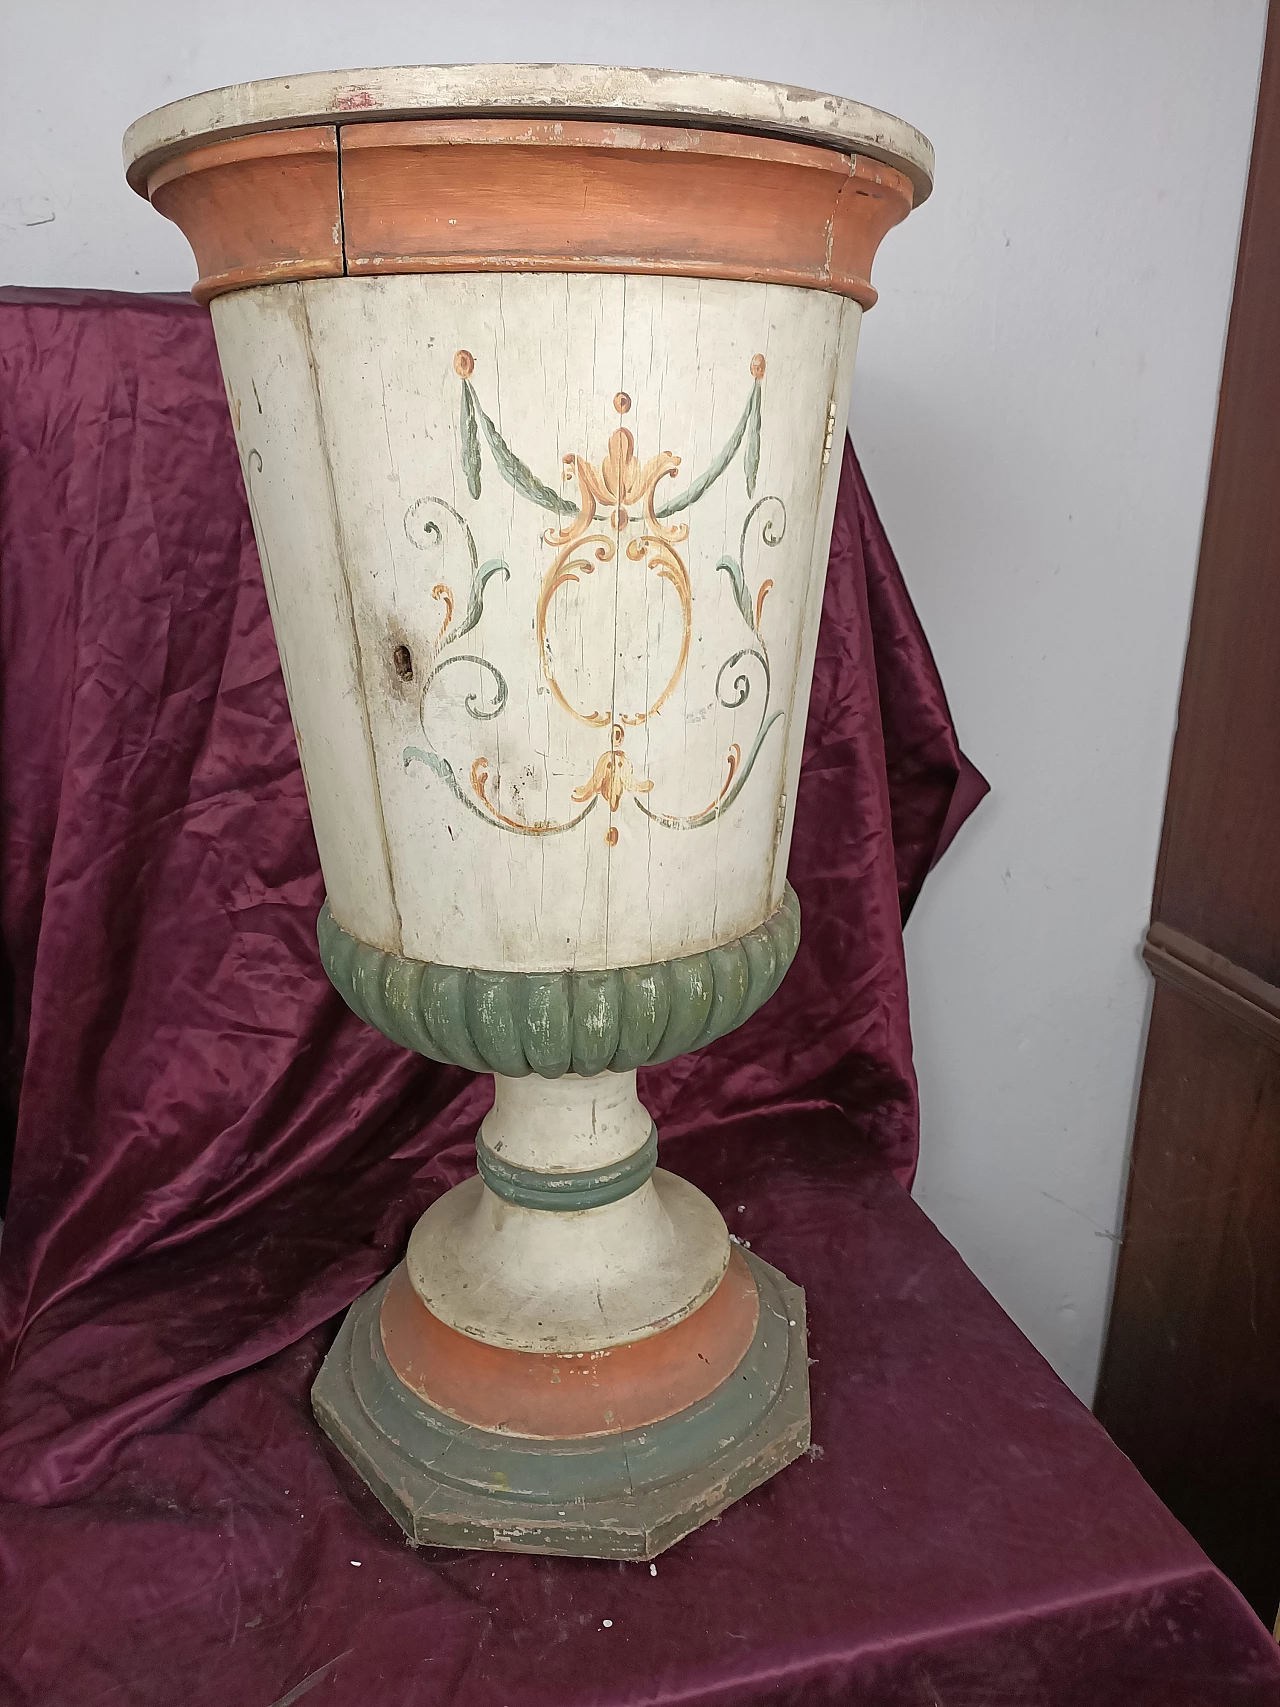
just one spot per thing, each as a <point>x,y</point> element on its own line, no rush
<point>1035,410</point>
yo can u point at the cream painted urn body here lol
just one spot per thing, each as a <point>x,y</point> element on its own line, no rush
<point>539,377</point>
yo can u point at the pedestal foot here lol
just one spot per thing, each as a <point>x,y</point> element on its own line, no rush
<point>628,1493</point>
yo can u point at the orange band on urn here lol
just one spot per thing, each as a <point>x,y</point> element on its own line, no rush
<point>259,210</point>
<point>519,195</point>
<point>548,1396</point>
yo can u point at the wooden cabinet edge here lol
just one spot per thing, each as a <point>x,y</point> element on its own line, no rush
<point>1215,982</point>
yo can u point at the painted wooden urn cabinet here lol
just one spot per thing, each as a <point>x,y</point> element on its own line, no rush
<point>539,377</point>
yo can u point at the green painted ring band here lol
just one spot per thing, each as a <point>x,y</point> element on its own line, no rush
<point>588,1188</point>
<point>551,1023</point>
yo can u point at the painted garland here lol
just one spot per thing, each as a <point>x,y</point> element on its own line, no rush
<point>557,1022</point>
<point>617,518</point>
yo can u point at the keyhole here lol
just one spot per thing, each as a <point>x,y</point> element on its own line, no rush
<point>402,658</point>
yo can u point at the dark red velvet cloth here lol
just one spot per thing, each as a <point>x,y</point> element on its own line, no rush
<point>212,1158</point>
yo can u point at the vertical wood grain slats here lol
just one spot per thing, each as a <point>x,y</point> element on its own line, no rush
<point>482,777</point>
<point>1219,874</point>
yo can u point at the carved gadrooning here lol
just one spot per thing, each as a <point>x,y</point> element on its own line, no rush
<point>557,1022</point>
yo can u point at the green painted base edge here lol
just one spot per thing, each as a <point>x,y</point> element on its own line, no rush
<point>558,1022</point>
<point>588,1188</point>
<point>629,1496</point>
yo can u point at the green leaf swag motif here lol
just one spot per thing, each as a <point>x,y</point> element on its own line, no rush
<point>617,491</point>
<point>748,427</point>
<point>516,473</point>
<point>523,480</point>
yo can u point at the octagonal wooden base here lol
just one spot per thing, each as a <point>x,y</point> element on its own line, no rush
<point>628,1495</point>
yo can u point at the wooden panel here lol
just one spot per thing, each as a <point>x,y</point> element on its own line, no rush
<point>260,210</point>
<point>530,195</point>
<point>264,348</point>
<point>643,812</point>
<point>1190,1384</point>
<point>1219,877</point>
<point>1214,981</point>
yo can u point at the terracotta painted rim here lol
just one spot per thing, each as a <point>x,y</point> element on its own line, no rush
<point>570,1396</point>
<point>528,195</point>
<point>639,96</point>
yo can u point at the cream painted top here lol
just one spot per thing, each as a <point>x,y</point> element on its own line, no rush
<point>555,91</point>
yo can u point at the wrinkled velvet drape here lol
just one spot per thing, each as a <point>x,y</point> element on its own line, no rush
<point>211,1158</point>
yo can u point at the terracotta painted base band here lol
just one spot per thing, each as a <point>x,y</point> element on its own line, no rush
<point>614,1496</point>
<point>562,1397</point>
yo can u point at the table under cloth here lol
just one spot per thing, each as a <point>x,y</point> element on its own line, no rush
<point>212,1158</point>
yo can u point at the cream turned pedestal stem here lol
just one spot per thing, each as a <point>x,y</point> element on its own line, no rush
<point>539,377</point>
<point>569,1240</point>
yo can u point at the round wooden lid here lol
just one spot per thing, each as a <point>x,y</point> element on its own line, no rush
<point>543,91</point>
